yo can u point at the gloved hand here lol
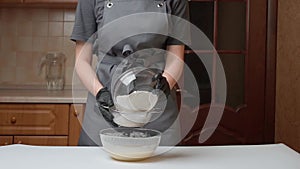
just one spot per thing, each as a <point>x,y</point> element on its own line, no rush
<point>161,83</point>
<point>104,102</point>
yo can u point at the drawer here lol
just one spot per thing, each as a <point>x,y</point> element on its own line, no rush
<point>6,140</point>
<point>34,119</point>
<point>42,140</point>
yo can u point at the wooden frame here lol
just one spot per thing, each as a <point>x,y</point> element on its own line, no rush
<point>260,78</point>
<point>270,95</point>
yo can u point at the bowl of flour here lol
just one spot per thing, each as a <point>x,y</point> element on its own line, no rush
<point>130,144</point>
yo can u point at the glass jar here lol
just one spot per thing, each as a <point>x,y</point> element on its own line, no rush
<point>54,63</point>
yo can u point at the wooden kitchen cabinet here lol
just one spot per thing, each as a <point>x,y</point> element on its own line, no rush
<point>34,124</point>
<point>42,140</point>
<point>40,124</point>
<point>76,117</point>
<point>34,119</point>
<point>6,140</point>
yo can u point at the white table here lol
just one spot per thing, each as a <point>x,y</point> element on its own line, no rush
<point>276,156</point>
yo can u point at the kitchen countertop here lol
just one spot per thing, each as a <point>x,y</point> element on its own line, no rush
<point>273,156</point>
<point>41,96</point>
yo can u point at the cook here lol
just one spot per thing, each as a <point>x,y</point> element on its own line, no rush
<point>91,17</point>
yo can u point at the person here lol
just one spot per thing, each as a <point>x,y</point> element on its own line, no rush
<point>94,15</point>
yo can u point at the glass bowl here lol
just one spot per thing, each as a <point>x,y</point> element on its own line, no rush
<point>127,81</point>
<point>136,101</point>
<point>130,144</point>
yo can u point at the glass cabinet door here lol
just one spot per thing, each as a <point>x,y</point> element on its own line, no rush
<point>232,27</point>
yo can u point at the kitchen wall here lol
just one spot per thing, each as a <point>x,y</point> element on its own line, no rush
<point>26,34</point>
<point>288,74</point>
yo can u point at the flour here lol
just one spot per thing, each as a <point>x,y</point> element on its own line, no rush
<point>137,101</point>
<point>133,109</point>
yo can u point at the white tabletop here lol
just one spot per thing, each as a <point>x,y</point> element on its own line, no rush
<point>276,156</point>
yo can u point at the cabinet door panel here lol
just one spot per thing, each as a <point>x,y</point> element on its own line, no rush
<point>34,119</point>
<point>76,117</point>
<point>6,140</point>
<point>42,140</point>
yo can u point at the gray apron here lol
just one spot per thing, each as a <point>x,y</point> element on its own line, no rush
<point>114,40</point>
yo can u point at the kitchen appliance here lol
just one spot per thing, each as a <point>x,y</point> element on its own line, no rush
<point>54,63</point>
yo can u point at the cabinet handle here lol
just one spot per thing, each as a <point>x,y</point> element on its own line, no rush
<point>19,142</point>
<point>6,143</point>
<point>13,120</point>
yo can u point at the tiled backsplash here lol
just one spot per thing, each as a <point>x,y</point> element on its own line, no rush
<point>26,35</point>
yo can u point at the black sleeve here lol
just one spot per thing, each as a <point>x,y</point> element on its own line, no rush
<point>85,21</point>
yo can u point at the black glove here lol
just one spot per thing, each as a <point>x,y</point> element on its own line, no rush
<point>104,102</point>
<point>161,83</point>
